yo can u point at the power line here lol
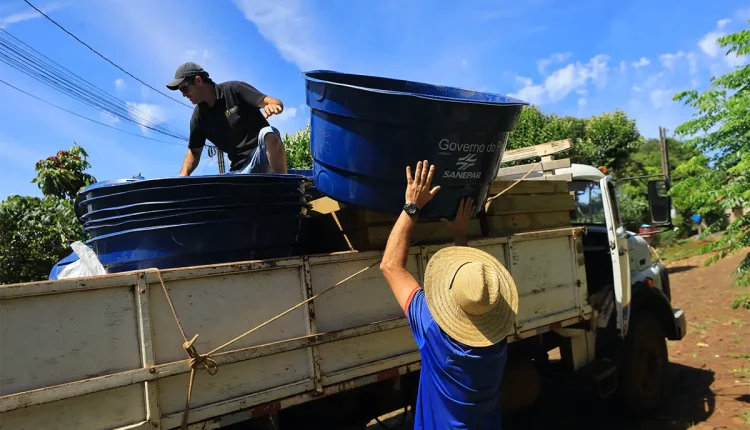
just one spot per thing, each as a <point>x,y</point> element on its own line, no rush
<point>103,57</point>
<point>84,117</point>
<point>54,75</point>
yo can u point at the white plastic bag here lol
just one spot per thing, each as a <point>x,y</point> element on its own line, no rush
<point>87,265</point>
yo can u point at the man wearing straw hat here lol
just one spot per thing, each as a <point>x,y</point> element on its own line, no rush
<point>460,318</point>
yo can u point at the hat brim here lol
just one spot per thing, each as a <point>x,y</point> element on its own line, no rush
<point>471,330</point>
<point>175,83</point>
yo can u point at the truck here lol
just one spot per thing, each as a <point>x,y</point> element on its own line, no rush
<point>107,351</point>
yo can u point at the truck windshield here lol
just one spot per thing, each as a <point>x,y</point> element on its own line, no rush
<point>589,203</point>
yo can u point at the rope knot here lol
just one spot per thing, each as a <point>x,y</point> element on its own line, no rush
<point>198,360</point>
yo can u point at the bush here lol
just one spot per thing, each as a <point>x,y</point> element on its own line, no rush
<point>35,234</point>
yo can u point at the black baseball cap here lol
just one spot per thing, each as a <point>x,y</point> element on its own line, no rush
<point>187,70</point>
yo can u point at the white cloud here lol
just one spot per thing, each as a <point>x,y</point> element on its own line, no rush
<point>653,79</point>
<point>581,102</point>
<point>668,60</point>
<point>623,66</point>
<point>708,43</point>
<point>660,97</point>
<point>560,83</point>
<point>557,57</point>
<point>149,115</point>
<point>710,46</point>
<point>119,83</point>
<point>16,18</point>
<point>108,118</point>
<point>529,92</point>
<point>288,28</point>
<point>637,89</point>
<point>643,62</point>
<point>206,54</point>
<point>693,62</point>
<point>464,63</point>
<point>191,53</point>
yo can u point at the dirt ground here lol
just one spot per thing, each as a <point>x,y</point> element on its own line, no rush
<point>710,367</point>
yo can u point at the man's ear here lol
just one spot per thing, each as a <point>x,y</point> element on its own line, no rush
<point>198,80</point>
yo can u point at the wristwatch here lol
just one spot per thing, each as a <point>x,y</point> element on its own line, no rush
<point>411,209</point>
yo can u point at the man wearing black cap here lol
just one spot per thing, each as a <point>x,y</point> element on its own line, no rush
<point>228,114</point>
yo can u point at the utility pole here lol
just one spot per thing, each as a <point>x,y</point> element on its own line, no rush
<point>220,159</point>
<point>664,152</point>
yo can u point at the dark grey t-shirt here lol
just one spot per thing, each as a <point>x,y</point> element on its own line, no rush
<point>232,123</point>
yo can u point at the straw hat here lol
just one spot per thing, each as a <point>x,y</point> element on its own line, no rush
<point>471,296</point>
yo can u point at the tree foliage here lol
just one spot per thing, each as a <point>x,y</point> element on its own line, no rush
<point>62,175</point>
<point>298,149</point>
<point>720,129</point>
<point>604,140</point>
<point>35,233</point>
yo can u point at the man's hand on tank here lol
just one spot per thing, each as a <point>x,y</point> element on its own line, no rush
<point>460,225</point>
<point>418,188</point>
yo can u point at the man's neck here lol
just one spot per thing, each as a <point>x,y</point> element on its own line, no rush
<point>210,95</point>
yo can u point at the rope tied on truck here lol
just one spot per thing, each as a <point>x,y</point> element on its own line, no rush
<point>198,361</point>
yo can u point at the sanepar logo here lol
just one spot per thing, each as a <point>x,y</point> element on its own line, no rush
<point>466,161</point>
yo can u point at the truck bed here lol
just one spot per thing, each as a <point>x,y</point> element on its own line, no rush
<point>105,352</point>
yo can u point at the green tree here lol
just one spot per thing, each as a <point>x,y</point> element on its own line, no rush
<point>298,149</point>
<point>604,140</point>
<point>610,140</point>
<point>35,233</point>
<point>720,130</point>
<point>62,175</point>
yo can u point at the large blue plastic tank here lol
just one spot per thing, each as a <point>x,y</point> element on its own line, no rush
<point>365,130</point>
<point>177,222</point>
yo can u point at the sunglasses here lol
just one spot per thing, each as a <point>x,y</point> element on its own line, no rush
<point>184,87</point>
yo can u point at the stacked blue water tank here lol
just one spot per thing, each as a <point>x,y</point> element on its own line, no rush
<point>185,221</point>
<point>365,130</point>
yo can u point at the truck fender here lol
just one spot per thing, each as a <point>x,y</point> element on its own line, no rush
<point>654,302</point>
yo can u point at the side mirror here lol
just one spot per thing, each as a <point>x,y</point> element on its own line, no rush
<point>660,202</point>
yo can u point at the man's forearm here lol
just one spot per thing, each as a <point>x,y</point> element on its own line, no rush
<point>189,165</point>
<point>397,247</point>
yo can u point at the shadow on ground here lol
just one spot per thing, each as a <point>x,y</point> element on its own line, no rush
<point>691,401</point>
<point>678,269</point>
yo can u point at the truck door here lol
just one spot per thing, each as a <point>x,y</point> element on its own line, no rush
<point>618,251</point>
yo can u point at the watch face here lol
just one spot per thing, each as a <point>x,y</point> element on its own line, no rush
<point>411,209</point>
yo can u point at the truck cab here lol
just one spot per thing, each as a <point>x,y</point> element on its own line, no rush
<point>630,292</point>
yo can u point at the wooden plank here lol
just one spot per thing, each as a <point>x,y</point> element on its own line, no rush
<point>428,232</point>
<point>540,150</point>
<point>508,224</point>
<point>567,177</point>
<point>530,204</point>
<point>528,187</point>
<point>325,205</point>
<point>523,169</point>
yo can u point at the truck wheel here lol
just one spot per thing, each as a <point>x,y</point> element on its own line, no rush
<point>643,364</point>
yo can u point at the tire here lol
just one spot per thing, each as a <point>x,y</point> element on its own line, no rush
<point>643,363</point>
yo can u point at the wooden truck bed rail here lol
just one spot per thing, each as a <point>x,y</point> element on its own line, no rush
<point>105,352</point>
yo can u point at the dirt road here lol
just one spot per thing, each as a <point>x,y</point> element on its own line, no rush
<point>710,367</point>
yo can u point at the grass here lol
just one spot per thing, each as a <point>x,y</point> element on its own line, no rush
<point>746,416</point>
<point>736,340</point>
<point>738,322</point>
<point>738,355</point>
<point>683,248</point>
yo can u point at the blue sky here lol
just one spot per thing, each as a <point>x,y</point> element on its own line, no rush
<point>568,57</point>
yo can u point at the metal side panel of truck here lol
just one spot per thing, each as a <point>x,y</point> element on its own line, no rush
<point>105,352</point>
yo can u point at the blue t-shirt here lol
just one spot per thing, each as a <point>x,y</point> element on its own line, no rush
<point>459,387</point>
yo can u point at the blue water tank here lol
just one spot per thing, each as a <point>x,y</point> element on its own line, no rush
<point>365,130</point>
